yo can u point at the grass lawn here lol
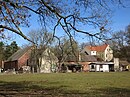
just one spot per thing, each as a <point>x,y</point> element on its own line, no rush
<point>91,84</point>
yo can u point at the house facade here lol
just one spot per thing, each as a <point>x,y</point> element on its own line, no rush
<point>101,67</point>
<point>18,59</point>
<point>103,51</point>
<point>80,62</point>
<point>85,60</point>
<point>48,62</point>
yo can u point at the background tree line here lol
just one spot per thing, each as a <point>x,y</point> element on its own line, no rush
<point>120,43</point>
<point>6,50</point>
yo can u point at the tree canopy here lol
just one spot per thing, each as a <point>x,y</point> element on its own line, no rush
<point>7,50</point>
<point>71,15</point>
<point>121,44</point>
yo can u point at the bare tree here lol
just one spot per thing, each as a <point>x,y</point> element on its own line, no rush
<point>66,49</point>
<point>42,40</point>
<point>120,43</point>
<point>70,15</point>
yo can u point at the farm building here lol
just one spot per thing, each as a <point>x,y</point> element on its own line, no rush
<point>44,61</point>
<point>85,60</point>
<point>18,59</point>
<point>48,61</point>
<point>102,51</point>
<point>101,67</point>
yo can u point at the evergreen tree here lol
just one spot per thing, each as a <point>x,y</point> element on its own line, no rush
<point>14,47</point>
<point>10,49</point>
<point>7,52</point>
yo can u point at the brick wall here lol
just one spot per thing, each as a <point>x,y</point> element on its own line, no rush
<point>23,60</point>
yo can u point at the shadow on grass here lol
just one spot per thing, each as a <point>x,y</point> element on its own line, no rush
<point>104,92</point>
<point>114,92</point>
<point>31,89</point>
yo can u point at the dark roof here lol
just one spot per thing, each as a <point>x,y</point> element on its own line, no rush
<point>88,58</point>
<point>124,63</point>
<point>98,58</point>
<point>18,54</point>
<point>71,58</point>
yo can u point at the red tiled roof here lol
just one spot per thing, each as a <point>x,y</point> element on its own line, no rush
<point>97,48</point>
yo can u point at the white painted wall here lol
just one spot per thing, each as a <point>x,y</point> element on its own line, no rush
<point>108,54</point>
<point>116,64</point>
<point>101,69</point>
<point>105,68</point>
<point>46,63</point>
<point>93,53</point>
<point>97,67</point>
<point>45,66</point>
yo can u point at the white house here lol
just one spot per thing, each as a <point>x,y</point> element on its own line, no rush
<point>103,51</point>
<point>48,62</point>
<point>101,66</point>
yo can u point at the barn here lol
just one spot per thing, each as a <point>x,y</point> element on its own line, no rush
<point>18,59</point>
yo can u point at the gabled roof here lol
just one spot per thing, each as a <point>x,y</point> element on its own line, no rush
<point>18,54</point>
<point>100,48</point>
<point>49,54</point>
<point>88,58</point>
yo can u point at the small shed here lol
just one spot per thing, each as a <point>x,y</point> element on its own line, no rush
<point>124,65</point>
<point>72,63</point>
<point>101,67</point>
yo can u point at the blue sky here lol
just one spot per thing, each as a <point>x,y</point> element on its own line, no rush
<point>120,19</point>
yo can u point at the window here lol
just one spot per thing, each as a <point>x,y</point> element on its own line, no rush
<point>101,66</point>
<point>92,66</point>
<point>86,53</point>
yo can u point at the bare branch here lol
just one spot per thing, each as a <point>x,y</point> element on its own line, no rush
<point>15,31</point>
